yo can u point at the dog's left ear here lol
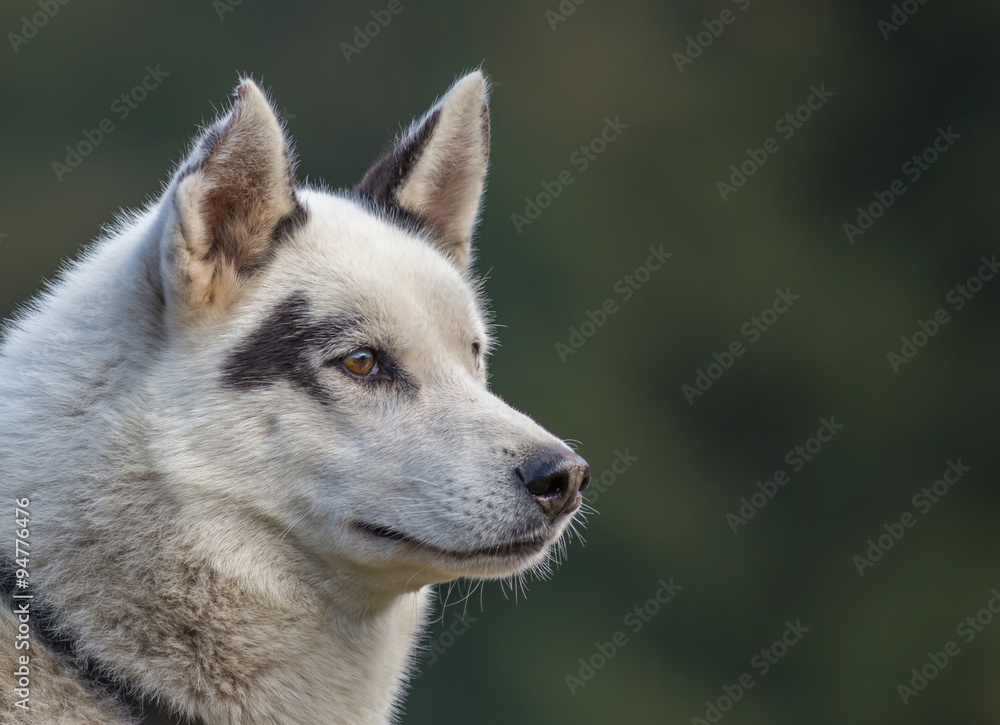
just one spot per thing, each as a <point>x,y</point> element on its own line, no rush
<point>437,171</point>
<point>231,201</point>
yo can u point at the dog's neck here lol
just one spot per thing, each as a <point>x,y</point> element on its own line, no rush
<point>218,648</point>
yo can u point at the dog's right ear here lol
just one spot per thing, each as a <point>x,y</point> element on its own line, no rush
<point>436,173</point>
<point>232,201</point>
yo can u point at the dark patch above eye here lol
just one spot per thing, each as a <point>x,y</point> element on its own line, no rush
<point>285,347</point>
<point>278,350</point>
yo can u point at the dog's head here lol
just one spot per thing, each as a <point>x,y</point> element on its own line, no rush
<point>325,366</point>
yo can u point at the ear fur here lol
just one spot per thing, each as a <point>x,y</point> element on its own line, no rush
<point>232,201</point>
<point>436,173</point>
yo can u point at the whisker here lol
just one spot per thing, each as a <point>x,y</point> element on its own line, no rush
<point>285,532</point>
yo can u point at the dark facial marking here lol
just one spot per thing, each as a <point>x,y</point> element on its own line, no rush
<point>279,350</point>
<point>286,347</point>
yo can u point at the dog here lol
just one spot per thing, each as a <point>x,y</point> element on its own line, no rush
<point>250,429</point>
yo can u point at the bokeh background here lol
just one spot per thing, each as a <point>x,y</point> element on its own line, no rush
<point>557,76</point>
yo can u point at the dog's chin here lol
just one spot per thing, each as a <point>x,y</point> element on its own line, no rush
<point>501,559</point>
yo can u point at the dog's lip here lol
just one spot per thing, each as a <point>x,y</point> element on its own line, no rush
<point>503,550</point>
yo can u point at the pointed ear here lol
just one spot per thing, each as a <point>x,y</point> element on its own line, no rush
<point>233,200</point>
<point>436,173</point>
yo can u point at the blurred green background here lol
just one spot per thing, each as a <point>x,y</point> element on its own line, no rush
<point>556,78</point>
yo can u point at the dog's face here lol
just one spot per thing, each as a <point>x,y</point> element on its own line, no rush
<point>331,353</point>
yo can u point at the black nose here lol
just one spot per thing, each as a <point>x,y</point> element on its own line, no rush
<point>555,477</point>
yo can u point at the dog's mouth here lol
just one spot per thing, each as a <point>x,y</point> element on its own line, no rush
<point>517,548</point>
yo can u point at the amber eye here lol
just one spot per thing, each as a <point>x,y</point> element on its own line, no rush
<point>360,362</point>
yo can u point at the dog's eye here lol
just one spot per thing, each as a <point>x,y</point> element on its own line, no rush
<point>477,350</point>
<point>361,362</point>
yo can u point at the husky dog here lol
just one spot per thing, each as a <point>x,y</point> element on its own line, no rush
<point>251,428</point>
